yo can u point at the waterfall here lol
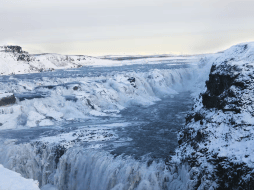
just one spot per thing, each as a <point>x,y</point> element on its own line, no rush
<point>79,169</point>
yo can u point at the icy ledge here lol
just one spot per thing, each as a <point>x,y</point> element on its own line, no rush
<point>218,138</point>
<point>10,180</point>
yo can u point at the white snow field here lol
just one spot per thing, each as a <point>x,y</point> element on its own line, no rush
<point>10,180</point>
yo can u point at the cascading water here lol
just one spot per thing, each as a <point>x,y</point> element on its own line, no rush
<point>79,169</point>
<point>102,158</point>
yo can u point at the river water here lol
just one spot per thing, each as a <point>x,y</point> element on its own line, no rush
<point>144,137</point>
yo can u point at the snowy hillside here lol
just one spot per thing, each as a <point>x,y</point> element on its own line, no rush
<point>218,137</point>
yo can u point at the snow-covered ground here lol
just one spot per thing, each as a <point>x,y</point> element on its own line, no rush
<point>10,180</point>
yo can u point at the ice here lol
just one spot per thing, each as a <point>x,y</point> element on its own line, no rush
<point>49,187</point>
<point>79,168</point>
<point>76,157</point>
<point>96,96</point>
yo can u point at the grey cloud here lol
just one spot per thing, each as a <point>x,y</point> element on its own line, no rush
<point>52,22</point>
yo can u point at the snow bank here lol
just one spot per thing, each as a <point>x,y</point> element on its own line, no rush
<point>10,180</point>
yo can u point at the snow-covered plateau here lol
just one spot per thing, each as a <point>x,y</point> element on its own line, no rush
<point>114,122</point>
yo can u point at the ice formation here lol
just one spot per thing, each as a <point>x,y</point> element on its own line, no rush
<point>48,101</point>
<point>45,100</point>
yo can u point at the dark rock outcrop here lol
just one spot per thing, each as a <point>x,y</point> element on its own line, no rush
<point>23,57</point>
<point>132,81</point>
<point>17,52</point>
<point>7,100</point>
<point>13,49</point>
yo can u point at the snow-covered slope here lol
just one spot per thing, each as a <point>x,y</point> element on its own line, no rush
<point>15,61</point>
<point>10,180</point>
<point>218,138</point>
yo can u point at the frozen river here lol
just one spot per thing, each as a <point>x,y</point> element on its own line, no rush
<point>103,144</point>
<point>140,131</point>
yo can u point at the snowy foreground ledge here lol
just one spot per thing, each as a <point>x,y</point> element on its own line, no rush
<point>10,180</point>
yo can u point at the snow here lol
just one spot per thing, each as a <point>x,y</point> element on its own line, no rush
<point>9,116</point>
<point>108,94</point>
<point>91,133</point>
<point>97,96</point>
<point>49,187</point>
<point>3,95</point>
<point>224,135</point>
<point>10,180</point>
<point>9,63</point>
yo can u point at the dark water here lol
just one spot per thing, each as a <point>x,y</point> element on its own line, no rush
<point>156,135</point>
<point>152,132</point>
<point>153,129</point>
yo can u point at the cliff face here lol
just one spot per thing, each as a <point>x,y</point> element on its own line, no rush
<point>218,138</point>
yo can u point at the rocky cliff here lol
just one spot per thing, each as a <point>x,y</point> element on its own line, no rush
<point>218,138</point>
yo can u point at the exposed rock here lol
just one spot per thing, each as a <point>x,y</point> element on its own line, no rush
<point>132,81</point>
<point>75,88</point>
<point>7,99</point>
<point>13,49</point>
<point>24,57</point>
<point>17,51</point>
<point>90,104</point>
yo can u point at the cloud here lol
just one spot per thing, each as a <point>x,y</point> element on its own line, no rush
<point>96,23</point>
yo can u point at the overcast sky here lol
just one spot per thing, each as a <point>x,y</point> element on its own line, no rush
<point>95,27</point>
